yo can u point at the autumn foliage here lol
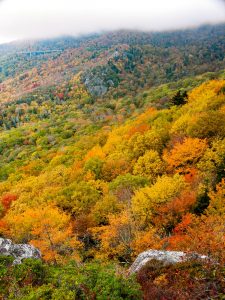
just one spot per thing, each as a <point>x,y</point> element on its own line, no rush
<point>109,190</point>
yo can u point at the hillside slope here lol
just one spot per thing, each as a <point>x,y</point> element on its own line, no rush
<point>102,158</point>
<point>112,64</point>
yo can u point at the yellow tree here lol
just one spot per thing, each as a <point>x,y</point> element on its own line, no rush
<point>185,154</point>
<point>217,200</point>
<point>139,143</point>
<point>47,228</point>
<point>147,200</point>
<point>149,165</point>
<point>145,240</point>
<point>211,165</point>
<point>116,238</point>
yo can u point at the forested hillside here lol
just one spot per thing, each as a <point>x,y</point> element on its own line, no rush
<point>110,147</point>
<point>112,64</point>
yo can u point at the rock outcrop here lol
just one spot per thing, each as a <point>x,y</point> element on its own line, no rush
<point>96,86</point>
<point>18,251</point>
<point>167,257</point>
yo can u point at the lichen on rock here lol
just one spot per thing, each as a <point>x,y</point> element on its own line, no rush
<point>18,251</point>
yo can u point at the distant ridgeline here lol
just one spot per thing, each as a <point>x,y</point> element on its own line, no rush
<point>114,64</point>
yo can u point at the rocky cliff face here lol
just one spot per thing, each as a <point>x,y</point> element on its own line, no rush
<point>167,257</point>
<point>18,251</point>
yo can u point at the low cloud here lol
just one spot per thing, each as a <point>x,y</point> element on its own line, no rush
<point>46,18</point>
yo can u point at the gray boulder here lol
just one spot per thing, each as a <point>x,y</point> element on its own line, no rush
<point>18,251</point>
<point>167,257</point>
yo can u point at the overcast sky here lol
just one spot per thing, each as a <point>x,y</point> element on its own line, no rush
<point>23,19</point>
